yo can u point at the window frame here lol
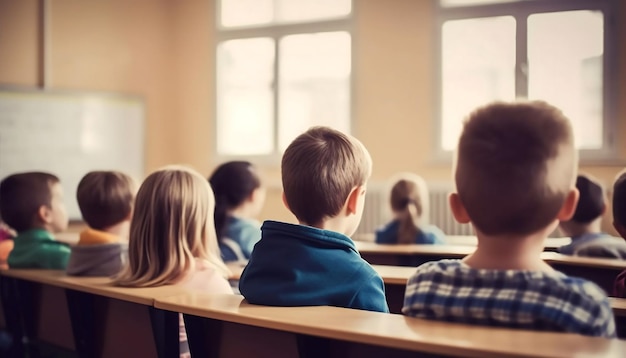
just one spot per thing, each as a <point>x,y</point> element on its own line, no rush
<point>276,31</point>
<point>522,9</point>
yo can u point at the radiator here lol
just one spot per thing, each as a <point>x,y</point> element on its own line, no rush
<point>376,212</point>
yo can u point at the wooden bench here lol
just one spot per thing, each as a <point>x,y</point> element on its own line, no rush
<point>88,315</point>
<point>226,326</point>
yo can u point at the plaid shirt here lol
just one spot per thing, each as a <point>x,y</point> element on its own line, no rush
<point>449,290</point>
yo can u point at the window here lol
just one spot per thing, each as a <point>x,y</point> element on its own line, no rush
<point>282,67</point>
<point>553,50</point>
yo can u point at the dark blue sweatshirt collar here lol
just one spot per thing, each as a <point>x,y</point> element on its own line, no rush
<point>304,232</point>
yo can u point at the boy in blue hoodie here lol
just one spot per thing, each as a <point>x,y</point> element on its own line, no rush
<point>315,263</point>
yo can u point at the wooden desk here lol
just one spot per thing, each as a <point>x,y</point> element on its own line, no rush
<point>409,255</point>
<point>88,315</point>
<point>218,324</point>
<point>601,271</point>
<point>552,244</point>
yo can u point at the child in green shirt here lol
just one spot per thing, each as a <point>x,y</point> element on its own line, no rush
<point>32,204</point>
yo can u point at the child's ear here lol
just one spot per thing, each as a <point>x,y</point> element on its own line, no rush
<point>285,201</point>
<point>458,209</point>
<point>44,214</point>
<point>354,199</point>
<point>569,206</point>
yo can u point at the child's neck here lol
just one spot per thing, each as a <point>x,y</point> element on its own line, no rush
<point>574,229</point>
<point>336,224</point>
<point>121,229</point>
<point>509,252</point>
<point>243,211</point>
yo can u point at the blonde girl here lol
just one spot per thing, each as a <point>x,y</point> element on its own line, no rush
<point>172,238</point>
<point>410,208</point>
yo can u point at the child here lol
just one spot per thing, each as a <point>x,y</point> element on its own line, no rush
<point>6,244</point>
<point>105,199</point>
<point>585,226</point>
<point>238,200</point>
<point>515,172</point>
<point>409,203</point>
<point>32,204</point>
<point>172,238</point>
<point>324,173</point>
<point>619,222</point>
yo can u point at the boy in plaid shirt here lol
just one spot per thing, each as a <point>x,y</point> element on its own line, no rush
<point>515,172</point>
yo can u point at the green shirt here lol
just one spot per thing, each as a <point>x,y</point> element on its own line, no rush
<point>37,248</point>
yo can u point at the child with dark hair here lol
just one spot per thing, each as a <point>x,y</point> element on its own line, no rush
<point>585,226</point>
<point>105,199</point>
<point>32,204</point>
<point>239,198</point>
<point>410,207</point>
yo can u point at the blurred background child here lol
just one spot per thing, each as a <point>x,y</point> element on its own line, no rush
<point>239,198</point>
<point>32,204</point>
<point>585,227</point>
<point>410,207</point>
<point>105,199</point>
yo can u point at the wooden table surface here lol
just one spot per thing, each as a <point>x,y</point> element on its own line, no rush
<point>394,330</point>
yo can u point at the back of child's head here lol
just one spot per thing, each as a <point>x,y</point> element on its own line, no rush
<point>619,204</point>
<point>105,198</point>
<point>515,167</point>
<point>319,170</point>
<point>591,202</point>
<point>172,225</point>
<point>233,183</point>
<point>409,201</point>
<point>21,197</point>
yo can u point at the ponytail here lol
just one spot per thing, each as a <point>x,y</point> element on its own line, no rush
<point>409,228</point>
<point>220,216</point>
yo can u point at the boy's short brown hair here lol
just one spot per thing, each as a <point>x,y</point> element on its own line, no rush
<point>105,198</point>
<point>319,170</point>
<point>21,196</point>
<point>516,164</point>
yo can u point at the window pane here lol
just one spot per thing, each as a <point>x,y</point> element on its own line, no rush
<point>565,52</point>
<point>246,12</point>
<point>245,110</point>
<point>451,3</point>
<point>306,10</point>
<point>314,83</point>
<point>259,12</point>
<point>478,67</point>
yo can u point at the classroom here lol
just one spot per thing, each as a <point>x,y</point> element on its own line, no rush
<point>151,88</point>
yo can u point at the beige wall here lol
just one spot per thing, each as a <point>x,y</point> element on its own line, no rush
<point>163,51</point>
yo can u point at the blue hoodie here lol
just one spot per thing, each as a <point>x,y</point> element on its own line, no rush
<point>296,265</point>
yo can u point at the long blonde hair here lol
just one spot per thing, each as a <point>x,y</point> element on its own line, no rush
<point>171,227</point>
<point>409,200</point>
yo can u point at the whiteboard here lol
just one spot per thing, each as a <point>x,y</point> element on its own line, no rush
<point>69,134</point>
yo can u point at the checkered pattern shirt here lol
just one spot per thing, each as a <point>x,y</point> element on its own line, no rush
<point>449,290</point>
